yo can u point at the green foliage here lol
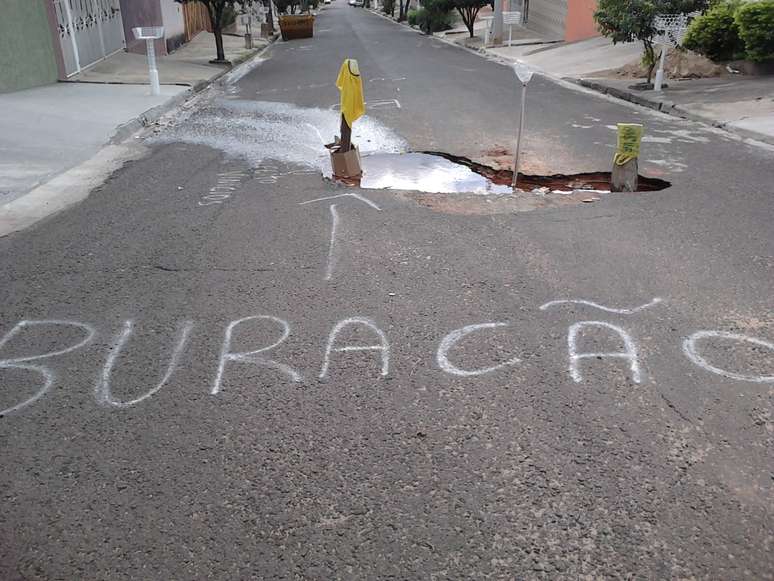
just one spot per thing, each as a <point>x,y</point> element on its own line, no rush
<point>412,16</point>
<point>756,28</point>
<point>715,33</point>
<point>468,10</point>
<point>433,16</point>
<point>632,20</point>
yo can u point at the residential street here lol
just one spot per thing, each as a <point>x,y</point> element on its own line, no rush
<point>206,377</point>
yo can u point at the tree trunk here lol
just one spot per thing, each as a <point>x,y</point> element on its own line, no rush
<point>269,15</point>
<point>650,55</point>
<point>216,19</point>
<point>469,18</point>
<point>219,45</point>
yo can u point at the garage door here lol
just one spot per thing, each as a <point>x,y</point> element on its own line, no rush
<point>89,30</point>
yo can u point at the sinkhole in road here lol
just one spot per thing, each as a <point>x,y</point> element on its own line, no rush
<point>442,173</point>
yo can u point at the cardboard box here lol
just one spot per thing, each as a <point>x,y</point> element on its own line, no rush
<point>346,164</point>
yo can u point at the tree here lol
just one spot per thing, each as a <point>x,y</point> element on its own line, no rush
<point>216,10</point>
<point>631,20</point>
<point>468,10</point>
<point>403,10</point>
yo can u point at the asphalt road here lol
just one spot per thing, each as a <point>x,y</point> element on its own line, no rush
<point>180,439</point>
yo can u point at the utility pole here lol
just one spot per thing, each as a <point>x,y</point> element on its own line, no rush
<point>497,33</point>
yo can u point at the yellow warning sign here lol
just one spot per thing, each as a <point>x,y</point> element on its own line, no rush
<point>629,137</point>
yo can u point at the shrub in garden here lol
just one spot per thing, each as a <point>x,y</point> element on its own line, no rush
<point>715,33</point>
<point>756,28</point>
<point>412,17</point>
<point>631,20</point>
<point>434,16</point>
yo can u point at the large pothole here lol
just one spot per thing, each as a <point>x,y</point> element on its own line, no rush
<point>429,178</point>
<point>443,173</point>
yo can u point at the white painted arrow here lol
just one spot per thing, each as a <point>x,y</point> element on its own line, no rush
<point>335,225</point>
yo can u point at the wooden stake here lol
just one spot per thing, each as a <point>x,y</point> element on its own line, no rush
<point>624,177</point>
<point>346,136</point>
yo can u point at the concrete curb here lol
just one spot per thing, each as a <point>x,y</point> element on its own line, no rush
<point>152,115</point>
<point>668,107</point>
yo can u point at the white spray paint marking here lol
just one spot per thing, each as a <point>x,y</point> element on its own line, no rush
<point>45,372</point>
<point>582,126</point>
<point>384,79</point>
<point>450,340</point>
<point>378,104</point>
<point>252,356</point>
<point>331,247</point>
<point>629,354</point>
<point>675,166</point>
<point>356,196</point>
<point>227,183</point>
<point>317,131</point>
<point>257,131</point>
<point>690,349</point>
<point>686,134</point>
<point>102,390</point>
<point>383,345</point>
<point>335,224</point>
<point>631,311</point>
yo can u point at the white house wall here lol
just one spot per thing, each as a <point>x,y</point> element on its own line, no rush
<point>174,24</point>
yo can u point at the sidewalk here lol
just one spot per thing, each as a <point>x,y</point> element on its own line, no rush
<point>739,103</point>
<point>742,104</point>
<point>188,65</point>
<point>47,130</point>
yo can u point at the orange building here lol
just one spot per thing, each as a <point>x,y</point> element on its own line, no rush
<point>566,20</point>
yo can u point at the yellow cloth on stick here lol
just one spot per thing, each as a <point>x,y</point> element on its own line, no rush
<point>350,85</point>
<point>629,137</point>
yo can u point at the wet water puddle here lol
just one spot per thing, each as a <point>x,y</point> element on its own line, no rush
<point>441,173</point>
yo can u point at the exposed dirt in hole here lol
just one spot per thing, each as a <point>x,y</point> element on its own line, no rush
<point>556,182</point>
<point>458,185</point>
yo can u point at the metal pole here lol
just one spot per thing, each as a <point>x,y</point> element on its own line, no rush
<point>69,14</point>
<point>518,134</point>
<point>153,72</point>
<point>660,72</point>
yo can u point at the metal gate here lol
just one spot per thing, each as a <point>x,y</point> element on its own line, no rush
<point>89,30</point>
